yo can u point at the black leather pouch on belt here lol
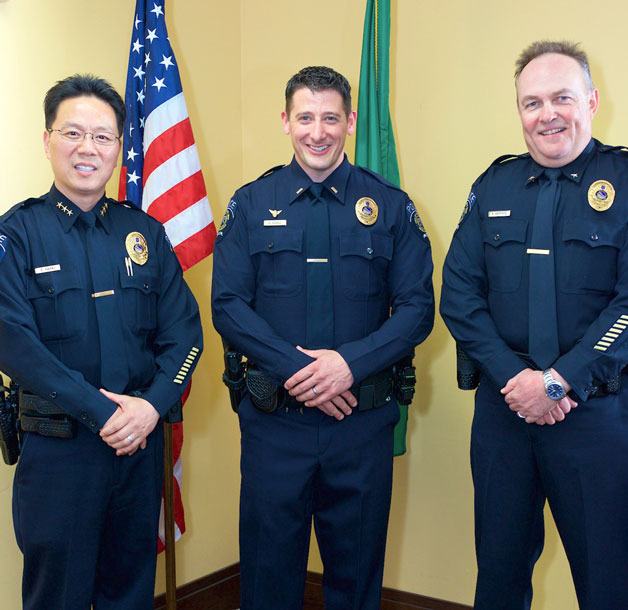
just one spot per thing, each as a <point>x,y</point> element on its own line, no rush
<point>374,391</point>
<point>45,418</point>
<point>265,393</point>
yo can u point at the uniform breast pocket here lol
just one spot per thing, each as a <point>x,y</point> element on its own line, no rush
<point>591,251</point>
<point>504,252</point>
<point>364,260</point>
<point>60,304</point>
<point>280,261</point>
<point>140,294</point>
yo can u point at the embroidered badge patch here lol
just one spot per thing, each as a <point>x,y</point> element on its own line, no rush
<point>468,206</point>
<point>4,243</point>
<point>228,218</point>
<point>414,218</point>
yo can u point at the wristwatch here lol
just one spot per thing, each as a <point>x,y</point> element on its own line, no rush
<point>553,388</point>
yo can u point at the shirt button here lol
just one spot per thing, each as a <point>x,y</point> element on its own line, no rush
<point>270,245</point>
<point>594,237</point>
<point>146,286</point>
<point>51,290</point>
<point>497,237</point>
<point>369,250</point>
<point>53,394</point>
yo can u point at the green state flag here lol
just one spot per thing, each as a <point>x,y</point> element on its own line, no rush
<point>375,141</point>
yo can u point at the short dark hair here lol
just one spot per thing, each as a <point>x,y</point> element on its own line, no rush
<point>80,85</point>
<point>562,47</point>
<point>319,78</point>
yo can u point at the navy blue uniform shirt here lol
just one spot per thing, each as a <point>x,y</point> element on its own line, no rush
<point>381,274</point>
<point>486,273</point>
<point>49,336</point>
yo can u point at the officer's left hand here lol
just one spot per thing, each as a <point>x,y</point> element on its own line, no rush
<point>321,381</point>
<point>525,394</point>
<point>126,430</point>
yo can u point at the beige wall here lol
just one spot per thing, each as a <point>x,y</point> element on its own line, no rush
<point>453,108</point>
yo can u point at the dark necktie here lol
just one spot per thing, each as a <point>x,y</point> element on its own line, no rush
<point>114,373</point>
<point>543,325</point>
<point>320,303</point>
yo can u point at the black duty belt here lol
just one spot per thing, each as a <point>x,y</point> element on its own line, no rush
<point>267,395</point>
<point>44,417</point>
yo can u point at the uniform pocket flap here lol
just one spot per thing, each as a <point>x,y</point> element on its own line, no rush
<point>51,284</point>
<point>499,231</point>
<point>366,244</point>
<point>594,234</point>
<point>276,241</point>
<point>144,282</point>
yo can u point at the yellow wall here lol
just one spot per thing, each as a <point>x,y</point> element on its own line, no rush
<point>453,109</point>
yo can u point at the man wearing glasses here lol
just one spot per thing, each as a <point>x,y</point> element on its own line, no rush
<point>100,331</point>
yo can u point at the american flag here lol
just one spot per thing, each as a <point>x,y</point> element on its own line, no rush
<point>161,171</point>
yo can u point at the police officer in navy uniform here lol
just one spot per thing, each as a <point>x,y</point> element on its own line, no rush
<point>535,292</point>
<point>322,278</point>
<point>100,331</point>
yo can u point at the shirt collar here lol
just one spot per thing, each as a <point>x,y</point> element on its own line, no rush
<point>336,183</point>
<point>572,171</point>
<point>68,212</point>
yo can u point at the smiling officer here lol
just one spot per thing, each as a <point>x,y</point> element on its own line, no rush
<point>322,278</point>
<point>92,298</point>
<point>535,291</point>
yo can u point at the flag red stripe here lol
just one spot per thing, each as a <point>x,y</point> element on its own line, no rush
<point>180,197</point>
<point>122,183</point>
<point>166,145</point>
<point>196,247</point>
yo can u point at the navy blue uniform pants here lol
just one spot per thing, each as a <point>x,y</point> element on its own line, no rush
<point>580,466</point>
<point>86,522</point>
<point>302,465</point>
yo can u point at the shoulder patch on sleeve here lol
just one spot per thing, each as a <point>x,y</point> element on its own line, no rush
<point>228,218</point>
<point>4,244</point>
<point>414,218</point>
<point>468,206</point>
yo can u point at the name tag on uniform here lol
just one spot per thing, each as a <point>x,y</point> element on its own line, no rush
<point>47,269</point>
<point>498,213</point>
<point>276,223</point>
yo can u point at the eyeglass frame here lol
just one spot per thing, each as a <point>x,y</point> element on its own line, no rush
<point>85,133</point>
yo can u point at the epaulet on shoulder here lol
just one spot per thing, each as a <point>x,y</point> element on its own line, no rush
<point>507,158</point>
<point>379,178</point>
<point>270,171</point>
<point>267,173</point>
<point>23,204</point>
<point>125,204</point>
<point>500,161</point>
<point>618,150</point>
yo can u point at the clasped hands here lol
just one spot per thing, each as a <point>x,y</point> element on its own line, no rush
<point>324,383</point>
<point>525,394</point>
<point>134,419</point>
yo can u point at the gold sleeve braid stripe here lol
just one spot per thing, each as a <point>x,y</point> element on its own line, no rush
<point>613,333</point>
<point>187,364</point>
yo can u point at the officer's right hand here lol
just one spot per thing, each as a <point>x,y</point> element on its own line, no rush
<point>558,413</point>
<point>126,430</point>
<point>339,406</point>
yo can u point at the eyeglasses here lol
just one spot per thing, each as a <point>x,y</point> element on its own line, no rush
<point>102,138</point>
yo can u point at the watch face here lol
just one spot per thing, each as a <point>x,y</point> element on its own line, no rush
<point>555,391</point>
